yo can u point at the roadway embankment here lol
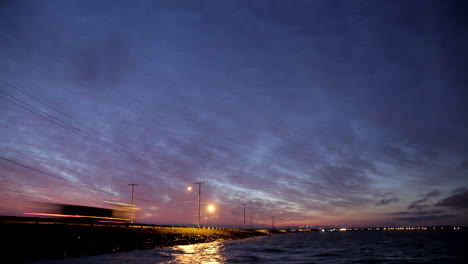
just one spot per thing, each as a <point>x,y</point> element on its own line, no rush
<point>28,242</point>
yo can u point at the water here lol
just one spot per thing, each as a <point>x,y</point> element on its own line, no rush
<point>313,247</point>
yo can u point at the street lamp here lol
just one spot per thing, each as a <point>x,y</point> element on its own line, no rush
<point>244,215</point>
<point>261,217</point>
<point>210,209</point>
<point>234,219</point>
<point>189,188</point>
<point>133,200</point>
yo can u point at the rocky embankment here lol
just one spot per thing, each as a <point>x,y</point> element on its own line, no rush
<point>27,242</point>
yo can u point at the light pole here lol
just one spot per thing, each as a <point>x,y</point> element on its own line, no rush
<point>244,215</point>
<point>199,198</point>
<point>133,200</point>
<point>204,216</point>
<point>211,208</point>
<point>234,219</point>
<point>261,218</point>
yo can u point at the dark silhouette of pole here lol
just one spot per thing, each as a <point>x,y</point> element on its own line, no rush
<point>273,222</point>
<point>204,216</point>
<point>199,198</point>
<point>234,219</point>
<point>244,215</point>
<point>261,217</point>
<point>133,200</point>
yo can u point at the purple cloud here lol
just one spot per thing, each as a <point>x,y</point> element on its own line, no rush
<point>422,203</point>
<point>426,218</point>
<point>387,201</point>
<point>457,201</point>
<point>309,110</point>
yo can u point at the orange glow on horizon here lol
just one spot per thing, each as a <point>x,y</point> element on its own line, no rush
<point>117,222</point>
<point>55,215</point>
<point>88,216</point>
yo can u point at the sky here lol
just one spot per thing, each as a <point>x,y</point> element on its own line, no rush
<point>325,113</point>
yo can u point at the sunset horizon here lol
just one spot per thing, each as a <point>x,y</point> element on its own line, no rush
<point>287,113</point>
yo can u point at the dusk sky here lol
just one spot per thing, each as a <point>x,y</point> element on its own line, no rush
<point>345,113</point>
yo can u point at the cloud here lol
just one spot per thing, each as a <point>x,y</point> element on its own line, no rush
<point>463,166</point>
<point>459,190</point>
<point>386,198</point>
<point>415,219</point>
<point>387,201</point>
<point>104,64</point>
<point>459,201</point>
<point>418,205</point>
<point>416,213</point>
<point>433,193</point>
<point>421,204</point>
<point>260,101</point>
<point>399,213</point>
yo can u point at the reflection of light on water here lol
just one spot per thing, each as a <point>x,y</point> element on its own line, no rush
<point>206,253</point>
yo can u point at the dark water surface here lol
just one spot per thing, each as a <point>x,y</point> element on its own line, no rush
<point>314,247</point>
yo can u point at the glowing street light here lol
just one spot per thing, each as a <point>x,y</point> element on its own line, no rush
<point>211,208</point>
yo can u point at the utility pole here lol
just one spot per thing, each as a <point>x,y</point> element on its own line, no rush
<point>244,215</point>
<point>261,218</point>
<point>204,216</point>
<point>234,219</point>
<point>273,222</point>
<point>199,198</point>
<point>133,200</point>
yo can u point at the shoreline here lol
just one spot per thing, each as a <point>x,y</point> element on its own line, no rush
<point>31,242</point>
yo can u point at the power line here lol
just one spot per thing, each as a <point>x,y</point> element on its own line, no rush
<point>69,127</point>
<point>48,117</point>
<point>57,177</point>
<point>23,184</point>
<point>59,124</point>
<point>73,182</point>
<point>23,192</point>
<point>57,110</point>
<point>43,196</point>
<point>74,119</point>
